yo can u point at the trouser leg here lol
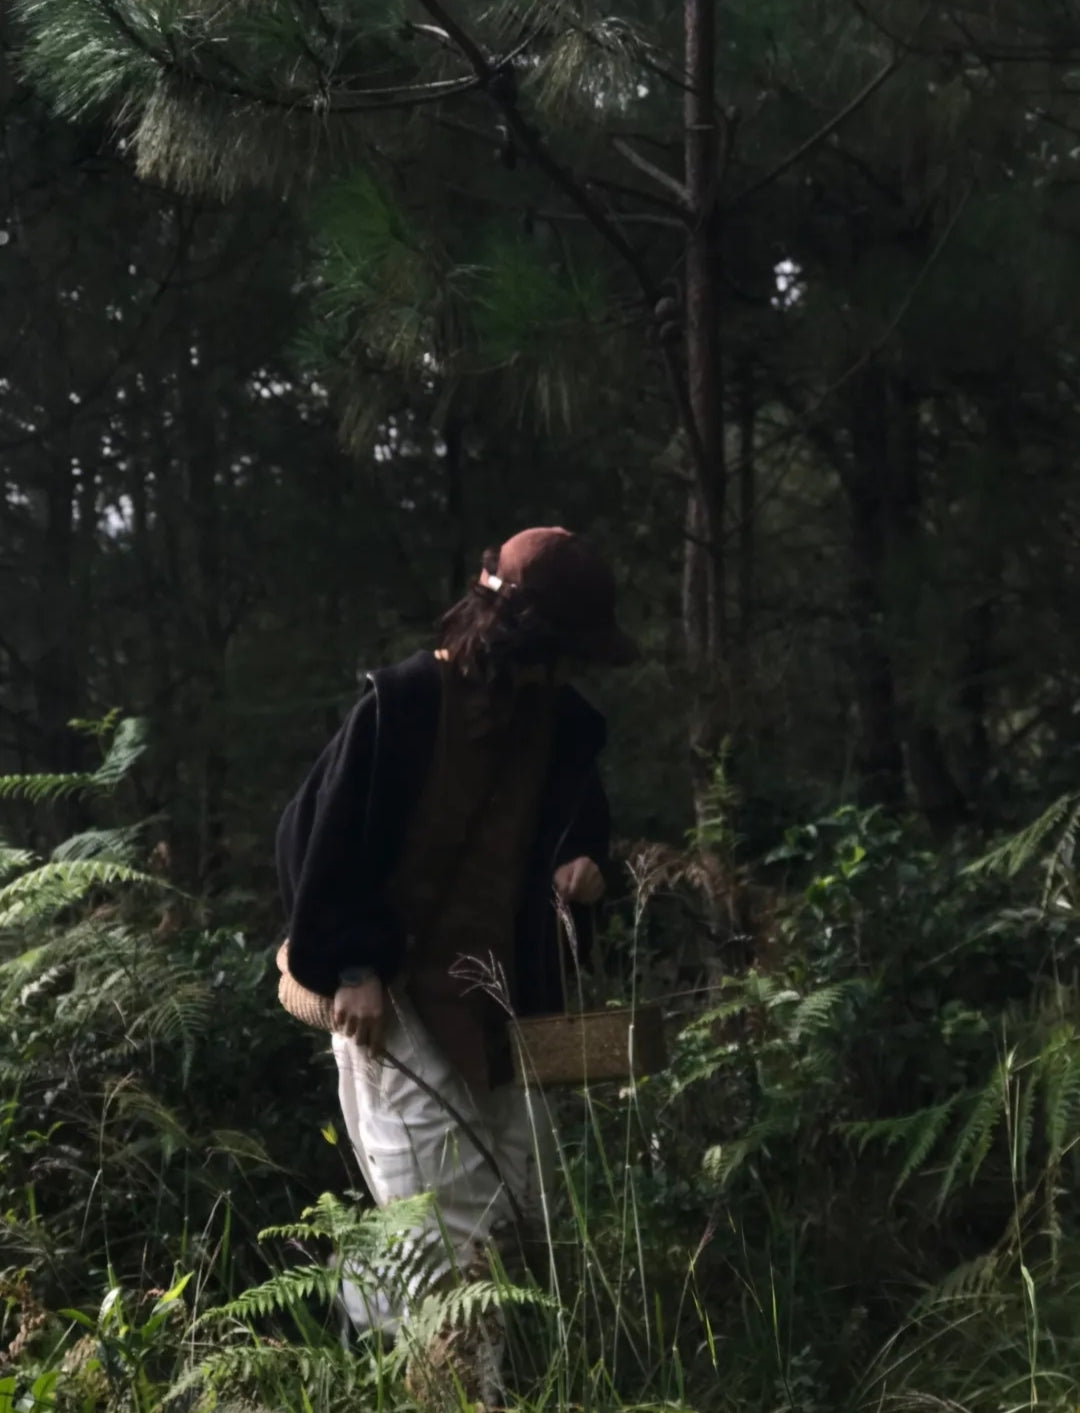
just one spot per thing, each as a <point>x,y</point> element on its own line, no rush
<point>407,1143</point>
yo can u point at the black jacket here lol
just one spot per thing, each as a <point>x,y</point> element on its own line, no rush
<point>340,837</point>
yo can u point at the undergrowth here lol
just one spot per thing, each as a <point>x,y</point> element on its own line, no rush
<point>853,1186</point>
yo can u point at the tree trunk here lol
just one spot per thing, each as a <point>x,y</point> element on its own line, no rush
<point>978,660</point>
<point>879,754</point>
<point>200,443</point>
<point>704,617</point>
<point>747,525</point>
<point>454,439</point>
<point>939,797</point>
<point>896,740</point>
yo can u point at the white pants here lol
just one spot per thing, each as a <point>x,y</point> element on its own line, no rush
<point>407,1143</point>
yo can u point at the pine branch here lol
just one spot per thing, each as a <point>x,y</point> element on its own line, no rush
<point>655,173</point>
<point>822,135</point>
<point>174,64</point>
<point>503,95</point>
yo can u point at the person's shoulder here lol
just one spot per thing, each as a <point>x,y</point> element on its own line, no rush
<point>417,672</point>
<point>408,691</point>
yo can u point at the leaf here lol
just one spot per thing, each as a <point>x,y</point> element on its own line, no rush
<point>80,1318</point>
<point>51,887</point>
<point>1029,1287</point>
<point>128,744</point>
<point>177,1290</point>
<point>976,1136</point>
<point>111,1302</point>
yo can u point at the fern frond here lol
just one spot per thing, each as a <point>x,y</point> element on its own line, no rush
<point>1024,1121</point>
<point>14,861</point>
<point>179,1017</point>
<point>974,1277</point>
<point>916,1133</point>
<point>1022,849</point>
<point>465,1303</point>
<point>723,1160</point>
<point>1061,1091</point>
<point>282,1294</point>
<point>820,1009</point>
<point>753,991</point>
<point>49,888</point>
<point>338,1221</point>
<point>117,845</point>
<point>42,788</point>
<point>259,1364</point>
<point>129,742</point>
<point>976,1137</point>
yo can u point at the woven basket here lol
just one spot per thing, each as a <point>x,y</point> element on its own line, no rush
<point>307,1006</point>
<point>548,1050</point>
<point>580,1048</point>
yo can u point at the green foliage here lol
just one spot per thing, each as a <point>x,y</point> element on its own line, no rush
<point>124,1029</point>
<point>88,57</point>
<point>750,1211</point>
<point>44,891</point>
<point>379,281</point>
<point>129,741</point>
<point>1059,824</point>
<point>516,286</point>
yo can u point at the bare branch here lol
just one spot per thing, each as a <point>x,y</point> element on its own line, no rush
<point>823,133</point>
<point>651,170</point>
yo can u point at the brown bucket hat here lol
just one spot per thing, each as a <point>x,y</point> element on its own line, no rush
<point>571,586</point>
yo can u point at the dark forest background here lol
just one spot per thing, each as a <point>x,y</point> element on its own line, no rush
<point>303,304</point>
<point>253,446</point>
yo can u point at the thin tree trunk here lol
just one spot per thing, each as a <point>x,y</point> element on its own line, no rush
<point>704,616</point>
<point>211,640</point>
<point>332,478</point>
<point>879,753</point>
<point>747,523</point>
<point>938,795</point>
<point>454,439</point>
<point>981,617</point>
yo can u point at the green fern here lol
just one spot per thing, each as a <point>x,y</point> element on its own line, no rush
<point>260,1365</point>
<point>463,1304</point>
<point>128,744</point>
<point>722,1161</point>
<point>917,1134</point>
<point>1061,824</point>
<point>46,890</point>
<point>280,1295</point>
<point>336,1220</point>
<point>821,1010</point>
<point>43,788</point>
<point>119,845</point>
<point>13,861</point>
<point>977,1134</point>
<point>1059,1070</point>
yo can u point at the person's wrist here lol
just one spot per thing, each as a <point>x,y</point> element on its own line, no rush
<point>357,976</point>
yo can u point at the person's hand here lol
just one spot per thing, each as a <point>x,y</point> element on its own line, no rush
<point>358,1013</point>
<point>579,881</point>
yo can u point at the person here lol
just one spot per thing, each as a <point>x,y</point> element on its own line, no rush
<point>420,864</point>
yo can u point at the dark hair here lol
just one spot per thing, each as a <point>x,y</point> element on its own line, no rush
<point>490,631</point>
